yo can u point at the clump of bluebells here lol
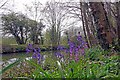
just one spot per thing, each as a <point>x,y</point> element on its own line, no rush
<point>75,49</point>
<point>35,51</point>
<point>58,53</point>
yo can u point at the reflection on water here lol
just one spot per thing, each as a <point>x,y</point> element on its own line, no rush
<point>1,62</point>
<point>9,56</point>
<point>28,58</point>
<point>12,57</point>
<point>12,60</point>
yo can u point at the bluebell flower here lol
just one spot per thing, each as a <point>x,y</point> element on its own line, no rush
<point>76,50</point>
<point>76,57</point>
<point>79,38</point>
<point>72,44</point>
<point>30,46</point>
<point>60,47</point>
<point>39,57</point>
<point>59,55</point>
<point>36,52</point>
<point>66,50</point>
<point>28,50</point>
<point>39,50</point>
<point>71,50</point>
<point>34,55</point>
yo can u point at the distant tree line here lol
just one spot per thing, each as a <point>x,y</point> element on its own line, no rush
<point>21,27</point>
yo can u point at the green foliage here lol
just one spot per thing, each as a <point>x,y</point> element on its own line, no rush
<point>8,41</point>
<point>9,66</point>
<point>39,69</point>
<point>83,69</point>
<point>95,53</point>
<point>15,24</point>
<point>60,69</point>
<point>64,41</point>
<point>47,38</point>
<point>96,64</point>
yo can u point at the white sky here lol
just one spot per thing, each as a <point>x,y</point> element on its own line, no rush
<point>19,4</point>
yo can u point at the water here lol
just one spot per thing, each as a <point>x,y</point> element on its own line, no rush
<point>6,57</point>
<point>12,57</point>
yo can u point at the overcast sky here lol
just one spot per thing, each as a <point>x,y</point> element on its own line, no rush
<point>18,5</point>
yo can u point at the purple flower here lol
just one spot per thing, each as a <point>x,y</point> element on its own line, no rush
<point>71,50</point>
<point>66,51</point>
<point>71,44</point>
<point>60,48</point>
<point>59,55</point>
<point>79,38</point>
<point>39,50</point>
<point>28,50</point>
<point>38,58</point>
<point>30,46</point>
<point>82,51</point>
<point>36,52</point>
<point>76,50</point>
<point>34,55</point>
<point>38,55</point>
<point>76,57</point>
<point>71,56</point>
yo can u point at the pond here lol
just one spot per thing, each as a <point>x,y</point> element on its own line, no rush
<point>14,56</point>
<point>6,57</point>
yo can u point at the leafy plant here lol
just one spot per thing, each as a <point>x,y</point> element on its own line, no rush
<point>10,66</point>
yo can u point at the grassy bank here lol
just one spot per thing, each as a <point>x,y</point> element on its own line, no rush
<point>9,45</point>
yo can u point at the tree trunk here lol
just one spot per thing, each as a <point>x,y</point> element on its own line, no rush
<point>102,24</point>
<point>118,21</point>
<point>91,25</point>
<point>82,16</point>
<point>22,38</point>
<point>17,38</point>
<point>86,23</point>
<point>110,19</point>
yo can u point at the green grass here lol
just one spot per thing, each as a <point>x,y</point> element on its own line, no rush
<point>8,41</point>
